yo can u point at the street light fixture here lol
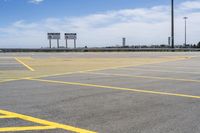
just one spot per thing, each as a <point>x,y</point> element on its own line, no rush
<point>172,23</point>
<point>185,18</point>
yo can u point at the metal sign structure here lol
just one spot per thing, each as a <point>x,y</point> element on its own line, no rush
<point>53,36</point>
<point>70,36</point>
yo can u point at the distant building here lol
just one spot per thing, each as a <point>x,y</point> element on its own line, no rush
<point>123,41</point>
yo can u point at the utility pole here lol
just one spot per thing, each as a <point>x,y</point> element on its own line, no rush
<point>172,23</point>
<point>185,18</point>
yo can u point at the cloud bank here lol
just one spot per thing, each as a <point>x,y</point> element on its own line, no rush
<point>141,26</point>
<point>36,1</point>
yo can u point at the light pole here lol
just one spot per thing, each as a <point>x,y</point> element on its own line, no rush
<point>185,18</point>
<point>172,23</point>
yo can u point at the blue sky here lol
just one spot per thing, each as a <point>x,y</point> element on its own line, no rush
<point>13,10</point>
<point>86,17</point>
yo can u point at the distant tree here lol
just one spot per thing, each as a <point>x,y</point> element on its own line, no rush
<point>198,45</point>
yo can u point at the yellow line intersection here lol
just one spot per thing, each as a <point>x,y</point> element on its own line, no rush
<point>46,125</point>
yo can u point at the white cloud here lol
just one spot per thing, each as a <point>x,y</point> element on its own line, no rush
<point>140,26</point>
<point>31,1</point>
<point>36,1</point>
<point>189,5</point>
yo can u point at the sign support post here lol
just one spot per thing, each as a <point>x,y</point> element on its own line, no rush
<point>49,43</point>
<point>70,36</point>
<point>58,43</point>
<point>53,36</point>
<point>74,43</point>
<point>66,44</point>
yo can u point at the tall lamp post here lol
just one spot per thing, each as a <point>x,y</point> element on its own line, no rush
<point>185,18</point>
<point>172,23</point>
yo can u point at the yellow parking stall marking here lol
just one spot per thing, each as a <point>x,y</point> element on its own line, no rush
<point>47,124</point>
<point>8,80</point>
<point>153,70</point>
<point>118,88</point>
<point>66,73</point>
<point>101,69</point>
<point>29,128</point>
<point>76,72</point>
<point>106,68</point>
<point>167,67</point>
<point>7,116</point>
<point>27,66</point>
<point>145,77</point>
<point>89,70</point>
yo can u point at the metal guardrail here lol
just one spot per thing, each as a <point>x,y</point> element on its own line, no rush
<point>97,49</point>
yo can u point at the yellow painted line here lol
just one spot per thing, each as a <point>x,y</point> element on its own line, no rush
<point>7,117</point>
<point>90,70</point>
<point>167,67</point>
<point>27,66</point>
<point>60,74</point>
<point>101,69</point>
<point>118,88</point>
<point>66,73</point>
<point>145,77</point>
<point>76,72</point>
<point>45,122</point>
<point>29,128</point>
<point>165,71</point>
<point>8,80</point>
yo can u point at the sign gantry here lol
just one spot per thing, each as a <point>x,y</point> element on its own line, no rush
<point>70,36</point>
<point>53,36</point>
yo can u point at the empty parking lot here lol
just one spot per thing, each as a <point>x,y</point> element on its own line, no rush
<point>143,92</point>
